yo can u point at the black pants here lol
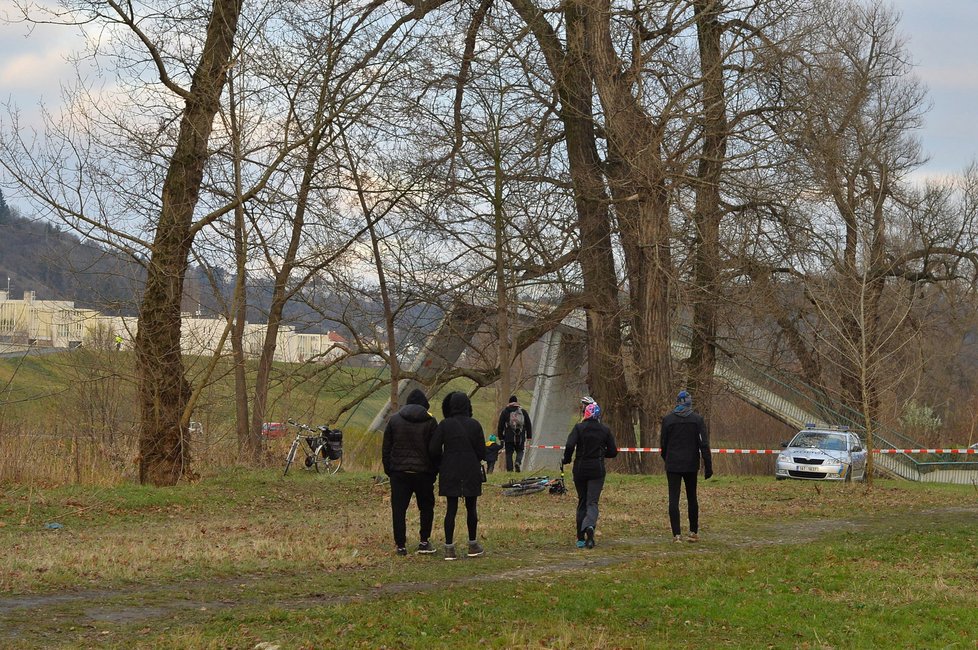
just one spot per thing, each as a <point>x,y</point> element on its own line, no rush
<point>511,448</point>
<point>403,485</point>
<point>675,485</point>
<point>471,518</point>
<point>588,493</point>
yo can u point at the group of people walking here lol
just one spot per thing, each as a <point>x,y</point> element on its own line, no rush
<point>417,449</point>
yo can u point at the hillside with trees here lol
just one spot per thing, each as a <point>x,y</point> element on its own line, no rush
<point>58,264</point>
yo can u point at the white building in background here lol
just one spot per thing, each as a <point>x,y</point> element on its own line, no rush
<point>43,323</point>
<point>58,324</point>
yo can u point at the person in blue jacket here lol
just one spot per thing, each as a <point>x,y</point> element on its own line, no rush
<point>589,443</point>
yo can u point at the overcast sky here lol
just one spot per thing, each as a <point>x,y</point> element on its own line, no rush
<point>943,39</point>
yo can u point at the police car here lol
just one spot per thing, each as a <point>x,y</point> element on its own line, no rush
<point>822,454</point>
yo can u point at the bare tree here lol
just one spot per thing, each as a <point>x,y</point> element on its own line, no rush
<point>566,56</point>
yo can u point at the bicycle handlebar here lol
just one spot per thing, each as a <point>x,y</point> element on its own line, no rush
<point>306,427</point>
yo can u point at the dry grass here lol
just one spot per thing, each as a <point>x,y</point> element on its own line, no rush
<point>255,522</point>
<point>294,556</point>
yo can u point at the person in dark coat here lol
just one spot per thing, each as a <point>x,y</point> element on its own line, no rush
<point>593,442</point>
<point>684,440</point>
<point>492,453</point>
<point>458,448</point>
<point>514,429</point>
<point>408,464</point>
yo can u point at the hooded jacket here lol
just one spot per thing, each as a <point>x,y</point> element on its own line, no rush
<point>407,436</point>
<point>683,440</point>
<point>458,448</point>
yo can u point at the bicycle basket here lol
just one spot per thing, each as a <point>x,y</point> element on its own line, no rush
<point>333,438</point>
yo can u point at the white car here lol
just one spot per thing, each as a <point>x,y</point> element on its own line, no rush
<point>822,454</point>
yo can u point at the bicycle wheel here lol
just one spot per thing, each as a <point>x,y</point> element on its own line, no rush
<point>315,458</point>
<point>332,466</point>
<point>525,489</point>
<point>291,455</point>
<point>523,482</point>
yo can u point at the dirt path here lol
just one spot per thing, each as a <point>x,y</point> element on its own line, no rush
<point>39,617</point>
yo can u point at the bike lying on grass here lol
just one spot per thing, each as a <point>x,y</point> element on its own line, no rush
<point>535,484</point>
<point>325,448</point>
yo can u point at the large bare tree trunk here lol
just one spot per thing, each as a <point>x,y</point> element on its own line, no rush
<point>164,453</point>
<point>708,211</point>
<point>606,370</point>
<point>638,184</point>
<point>505,360</point>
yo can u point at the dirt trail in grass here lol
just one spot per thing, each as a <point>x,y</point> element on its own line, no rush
<point>92,609</point>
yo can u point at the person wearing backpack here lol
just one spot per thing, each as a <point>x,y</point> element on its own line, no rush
<point>514,429</point>
<point>589,443</point>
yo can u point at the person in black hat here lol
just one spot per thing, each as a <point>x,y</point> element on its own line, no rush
<point>410,468</point>
<point>684,440</point>
<point>514,429</point>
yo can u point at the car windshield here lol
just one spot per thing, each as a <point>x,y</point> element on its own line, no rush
<point>820,440</point>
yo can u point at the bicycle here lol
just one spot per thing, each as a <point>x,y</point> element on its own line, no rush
<point>535,484</point>
<point>325,448</point>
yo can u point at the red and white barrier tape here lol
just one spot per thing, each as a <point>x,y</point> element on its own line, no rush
<point>925,451</point>
<point>655,450</point>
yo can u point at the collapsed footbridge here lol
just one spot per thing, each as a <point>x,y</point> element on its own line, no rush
<point>560,381</point>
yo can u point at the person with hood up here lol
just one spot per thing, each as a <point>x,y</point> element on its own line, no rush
<point>514,429</point>
<point>593,442</point>
<point>411,471</point>
<point>684,440</point>
<point>457,449</point>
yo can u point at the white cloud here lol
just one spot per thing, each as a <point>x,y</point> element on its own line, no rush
<point>34,72</point>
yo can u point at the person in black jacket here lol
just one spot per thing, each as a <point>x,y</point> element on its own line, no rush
<point>683,441</point>
<point>458,448</point>
<point>408,464</point>
<point>514,429</point>
<point>593,442</point>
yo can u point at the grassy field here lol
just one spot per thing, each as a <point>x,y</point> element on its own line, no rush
<point>70,418</point>
<point>245,558</point>
<point>79,410</point>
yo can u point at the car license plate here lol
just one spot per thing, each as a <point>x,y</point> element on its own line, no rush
<point>808,468</point>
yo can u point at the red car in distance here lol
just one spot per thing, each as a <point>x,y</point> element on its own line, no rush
<point>274,429</point>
